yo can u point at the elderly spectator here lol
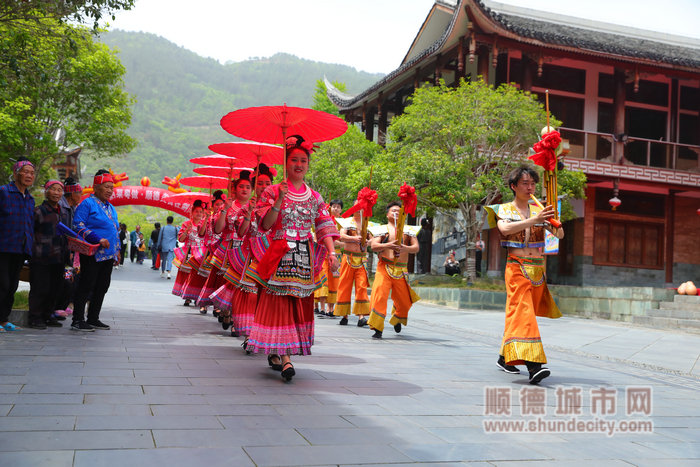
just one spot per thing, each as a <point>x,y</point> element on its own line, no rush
<point>96,221</point>
<point>16,234</point>
<point>167,242</point>
<point>72,192</point>
<point>48,259</point>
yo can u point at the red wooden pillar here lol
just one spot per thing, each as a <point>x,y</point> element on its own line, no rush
<point>619,114</point>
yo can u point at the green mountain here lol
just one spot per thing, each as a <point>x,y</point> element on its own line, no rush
<point>181,97</point>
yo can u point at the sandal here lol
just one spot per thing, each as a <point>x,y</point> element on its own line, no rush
<point>245,346</point>
<point>288,371</point>
<point>274,366</point>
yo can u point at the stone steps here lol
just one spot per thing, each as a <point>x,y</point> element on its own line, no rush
<point>683,313</point>
<point>687,325</point>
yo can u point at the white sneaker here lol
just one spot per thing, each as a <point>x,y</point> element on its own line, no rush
<point>162,274</point>
<point>168,275</point>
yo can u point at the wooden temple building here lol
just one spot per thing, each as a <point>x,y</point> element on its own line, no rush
<point>630,103</point>
<point>68,164</point>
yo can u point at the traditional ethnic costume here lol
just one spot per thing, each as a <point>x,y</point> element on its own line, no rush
<point>526,287</point>
<point>353,270</point>
<point>284,265</point>
<point>188,258</point>
<point>214,276</point>
<point>391,277</point>
<point>222,297</point>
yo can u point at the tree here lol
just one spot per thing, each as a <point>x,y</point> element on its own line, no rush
<point>456,145</point>
<point>30,14</point>
<point>341,167</point>
<point>68,93</point>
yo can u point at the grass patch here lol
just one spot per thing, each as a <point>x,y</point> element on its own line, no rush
<point>21,300</point>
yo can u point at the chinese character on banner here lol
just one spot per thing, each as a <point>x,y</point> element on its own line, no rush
<point>149,195</point>
<point>127,194</point>
<point>156,195</point>
<point>638,400</point>
<point>568,401</point>
<point>497,401</point>
<point>603,401</point>
<point>134,193</point>
<point>533,401</point>
<point>117,195</point>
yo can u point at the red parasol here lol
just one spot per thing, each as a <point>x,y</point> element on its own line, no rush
<point>188,197</point>
<point>251,153</point>
<point>272,124</point>
<point>218,161</point>
<point>229,173</point>
<point>206,181</point>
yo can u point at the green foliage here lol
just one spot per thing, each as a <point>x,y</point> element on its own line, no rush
<point>181,98</point>
<point>341,167</point>
<point>29,14</point>
<point>51,84</point>
<point>321,100</point>
<point>21,300</point>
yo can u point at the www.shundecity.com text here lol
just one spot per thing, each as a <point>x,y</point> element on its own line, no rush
<point>569,425</point>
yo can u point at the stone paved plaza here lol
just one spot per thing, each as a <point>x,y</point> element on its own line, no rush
<point>166,386</point>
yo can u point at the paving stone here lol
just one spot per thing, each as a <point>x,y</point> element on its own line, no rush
<point>212,457</point>
<point>37,458</point>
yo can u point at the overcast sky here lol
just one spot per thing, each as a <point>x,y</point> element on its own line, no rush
<point>370,35</point>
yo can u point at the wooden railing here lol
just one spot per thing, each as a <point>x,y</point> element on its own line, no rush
<point>637,151</point>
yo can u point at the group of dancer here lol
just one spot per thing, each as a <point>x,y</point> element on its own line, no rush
<point>263,262</point>
<point>258,261</point>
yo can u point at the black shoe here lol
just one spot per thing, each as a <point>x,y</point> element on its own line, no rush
<point>53,323</point>
<point>344,321</point>
<point>507,368</point>
<point>37,325</point>
<point>274,366</point>
<point>288,371</point>
<point>330,314</point>
<point>234,333</point>
<point>245,346</point>
<point>377,335</point>
<point>81,326</point>
<point>361,322</point>
<point>97,324</point>
<point>187,303</point>
<point>203,310</point>
<point>539,375</point>
<point>317,311</point>
<point>397,327</point>
<point>225,326</point>
<point>58,317</point>
<point>216,313</point>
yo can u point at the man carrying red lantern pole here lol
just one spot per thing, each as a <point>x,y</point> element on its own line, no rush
<point>393,249</point>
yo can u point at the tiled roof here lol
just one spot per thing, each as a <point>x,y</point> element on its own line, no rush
<point>594,40</point>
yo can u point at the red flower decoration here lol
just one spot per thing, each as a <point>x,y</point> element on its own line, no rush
<point>545,155</point>
<point>366,199</point>
<point>408,195</point>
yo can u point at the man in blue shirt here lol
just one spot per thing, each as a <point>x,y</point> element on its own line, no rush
<point>96,221</point>
<point>167,242</point>
<point>16,234</point>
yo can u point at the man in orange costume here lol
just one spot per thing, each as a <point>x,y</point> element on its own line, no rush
<point>392,275</point>
<point>353,271</point>
<point>522,228</point>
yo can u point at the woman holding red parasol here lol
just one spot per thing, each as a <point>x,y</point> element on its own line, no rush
<point>285,260</point>
<point>186,256</point>
<point>227,224</point>
<point>214,277</point>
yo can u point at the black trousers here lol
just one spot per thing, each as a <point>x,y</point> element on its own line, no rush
<point>10,266</point>
<point>46,282</point>
<point>132,254</point>
<point>95,277</point>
